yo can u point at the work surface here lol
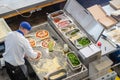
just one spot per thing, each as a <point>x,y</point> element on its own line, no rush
<point>55,60</point>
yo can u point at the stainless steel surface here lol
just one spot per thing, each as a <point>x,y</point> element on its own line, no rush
<point>109,76</point>
<point>72,44</point>
<point>63,34</point>
<point>84,19</point>
<point>106,47</point>
<point>62,71</point>
<point>56,54</point>
<point>83,73</point>
<point>96,68</point>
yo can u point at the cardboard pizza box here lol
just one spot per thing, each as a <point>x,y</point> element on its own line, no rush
<point>100,15</point>
<point>107,21</point>
<point>115,4</point>
<point>97,11</point>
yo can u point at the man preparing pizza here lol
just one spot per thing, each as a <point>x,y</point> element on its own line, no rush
<point>16,48</point>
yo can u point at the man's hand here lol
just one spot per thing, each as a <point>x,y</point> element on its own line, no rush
<point>38,55</point>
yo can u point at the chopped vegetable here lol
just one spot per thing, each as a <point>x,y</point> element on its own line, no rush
<point>73,59</point>
<point>83,41</point>
<point>72,32</point>
<point>75,31</point>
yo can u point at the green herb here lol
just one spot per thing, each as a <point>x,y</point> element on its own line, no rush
<point>73,59</point>
<point>83,41</point>
<point>72,32</point>
<point>75,31</point>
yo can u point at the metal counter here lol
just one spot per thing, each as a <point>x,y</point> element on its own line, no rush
<point>56,54</point>
<point>86,25</point>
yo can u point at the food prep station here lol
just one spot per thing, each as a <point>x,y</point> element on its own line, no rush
<point>70,45</point>
<point>79,30</point>
<point>74,30</point>
<point>55,60</point>
<point>82,32</point>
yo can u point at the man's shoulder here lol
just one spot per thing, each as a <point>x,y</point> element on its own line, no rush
<point>10,34</point>
<point>22,39</point>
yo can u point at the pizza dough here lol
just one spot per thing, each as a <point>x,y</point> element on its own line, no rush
<point>32,42</point>
<point>44,43</point>
<point>42,34</point>
<point>37,59</point>
<point>40,54</point>
<point>49,65</point>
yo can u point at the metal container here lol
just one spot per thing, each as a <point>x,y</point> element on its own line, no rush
<point>82,18</point>
<point>82,73</point>
<point>109,76</point>
<point>63,75</point>
<point>99,67</point>
<point>82,42</point>
<point>83,21</point>
<point>74,58</point>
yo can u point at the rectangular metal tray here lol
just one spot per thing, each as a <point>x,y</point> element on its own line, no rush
<point>65,34</point>
<point>58,72</point>
<point>71,62</point>
<point>58,53</point>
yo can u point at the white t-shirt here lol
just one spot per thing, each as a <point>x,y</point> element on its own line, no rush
<point>16,47</point>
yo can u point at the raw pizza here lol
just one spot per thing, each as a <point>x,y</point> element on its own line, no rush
<point>44,43</point>
<point>32,42</point>
<point>31,59</point>
<point>40,53</point>
<point>42,34</point>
